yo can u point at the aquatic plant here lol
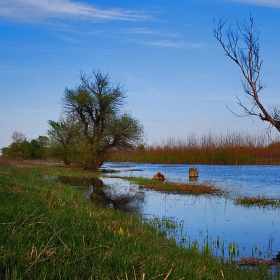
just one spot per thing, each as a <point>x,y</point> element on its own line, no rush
<point>173,187</point>
<point>259,201</point>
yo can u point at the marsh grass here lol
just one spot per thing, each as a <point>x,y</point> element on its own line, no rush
<point>106,170</point>
<point>234,148</point>
<point>255,261</point>
<point>193,188</point>
<point>48,231</point>
<point>259,201</point>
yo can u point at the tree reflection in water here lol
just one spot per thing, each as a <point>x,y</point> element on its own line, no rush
<point>108,196</point>
<point>129,200</point>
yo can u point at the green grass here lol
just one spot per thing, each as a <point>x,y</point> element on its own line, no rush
<point>193,189</point>
<point>49,231</point>
<point>260,201</point>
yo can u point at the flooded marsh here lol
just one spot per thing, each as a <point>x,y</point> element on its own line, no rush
<point>213,223</point>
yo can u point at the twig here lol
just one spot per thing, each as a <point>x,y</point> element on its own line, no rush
<point>222,275</point>
<point>168,274</point>
<point>44,249</point>
<point>104,257</point>
<point>56,233</point>
<point>14,231</point>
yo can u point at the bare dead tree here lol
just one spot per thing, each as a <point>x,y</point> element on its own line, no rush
<point>18,137</point>
<point>241,44</point>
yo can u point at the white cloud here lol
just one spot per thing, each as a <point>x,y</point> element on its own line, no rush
<point>268,3</point>
<point>153,32</point>
<point>176,45</point>
<point>30,10</point>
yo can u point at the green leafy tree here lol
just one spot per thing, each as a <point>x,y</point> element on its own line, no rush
<point>33,150</point>
<point>20,147</point>
<point>98,103</point>
<point>16,149</point>
<point>43,141</point>
<point>65,138</point>
<point>44,145</point>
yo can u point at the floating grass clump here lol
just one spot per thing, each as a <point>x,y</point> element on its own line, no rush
<point>253,261</point>
<point>192,188</point>
<point>260,201</point>
<point>49,231</point>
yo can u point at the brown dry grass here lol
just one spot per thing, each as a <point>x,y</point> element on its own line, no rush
<point>251,261</point>
<point>195,189</point>
<point>231,148</point>
<point>20,162</point>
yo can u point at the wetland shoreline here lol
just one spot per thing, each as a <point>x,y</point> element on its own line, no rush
<point>50,230</point>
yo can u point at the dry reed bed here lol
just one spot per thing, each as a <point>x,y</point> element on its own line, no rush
<point>229,148</point>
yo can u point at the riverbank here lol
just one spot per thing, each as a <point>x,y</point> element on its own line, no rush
<point>49,231</point>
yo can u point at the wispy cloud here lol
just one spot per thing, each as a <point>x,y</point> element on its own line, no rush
<point>268,3</point>
<point>162,38</point>
<point>153,32</point>
<point>30,10</point>
<point>173,44</point>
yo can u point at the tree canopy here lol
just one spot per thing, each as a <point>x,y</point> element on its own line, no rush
<point>97,103</point>
<point>64,138</point>
<point>21,147</point>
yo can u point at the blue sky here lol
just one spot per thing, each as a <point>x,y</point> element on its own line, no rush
<point>175,73</point>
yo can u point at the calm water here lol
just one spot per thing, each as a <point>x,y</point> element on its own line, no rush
<point>250,179</point>
<point>250,231</point>
<point>253,231</point>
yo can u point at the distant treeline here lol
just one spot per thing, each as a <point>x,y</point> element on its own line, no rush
<point>33,149</point>
<point>231,148</point>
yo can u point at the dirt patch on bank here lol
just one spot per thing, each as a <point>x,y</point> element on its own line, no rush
<point>20,162</point>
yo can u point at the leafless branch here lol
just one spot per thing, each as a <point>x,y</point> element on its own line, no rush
<point>242,46</point>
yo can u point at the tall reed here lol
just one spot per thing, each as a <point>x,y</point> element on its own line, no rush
<point>233,148</point>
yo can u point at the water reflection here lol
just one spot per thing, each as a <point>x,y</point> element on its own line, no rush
<point>105,195</point>
<point>216,223</point>
<point>206,219</point>
<point>249,179</point>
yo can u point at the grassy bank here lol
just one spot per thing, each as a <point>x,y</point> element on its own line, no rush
<point>49,231</point>
<point>230,148</point>
<point>170,187</point>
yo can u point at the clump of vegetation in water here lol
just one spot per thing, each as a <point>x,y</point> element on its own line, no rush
<point>105,171</point>
<point>193,188</point>
<point>260,201</point>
